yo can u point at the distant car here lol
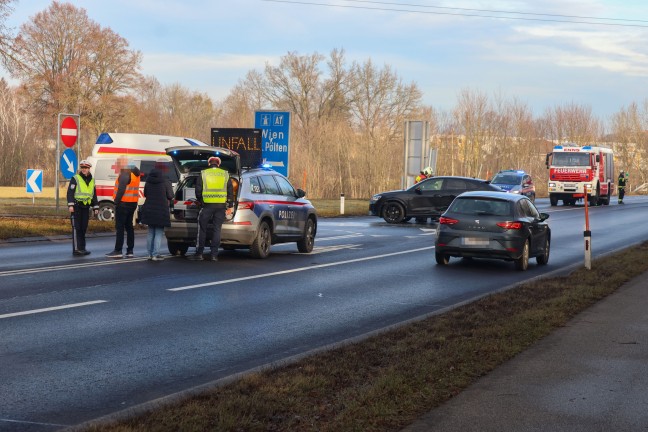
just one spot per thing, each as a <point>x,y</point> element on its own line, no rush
<point>515,181</point>
<point>269,209</point>
<point>428,198</point>
<point>495,225</point>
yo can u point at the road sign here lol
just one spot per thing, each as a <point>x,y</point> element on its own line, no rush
<point>69,131</point>
<point>34,181</point>
<point>68,163</point>
<point>275,138</point>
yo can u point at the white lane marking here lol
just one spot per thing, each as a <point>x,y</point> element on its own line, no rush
<point>334,248</point>
<point>319,266</point>
<point>70,266</point>
<point>30,422</point>
<point>346,236</point>
<point>53,308</point>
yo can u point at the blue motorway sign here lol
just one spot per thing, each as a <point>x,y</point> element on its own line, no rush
<point>275,138</point>
<point>34,181</point>
<point>68,163</point>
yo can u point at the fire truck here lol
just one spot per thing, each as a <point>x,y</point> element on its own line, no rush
<point>574,168</point>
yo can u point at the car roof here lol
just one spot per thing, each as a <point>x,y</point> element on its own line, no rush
<point>492,194</point>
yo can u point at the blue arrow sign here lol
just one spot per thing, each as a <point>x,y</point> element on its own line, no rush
<point>68,163</point>
<point>34,181</point>
<point>275,130</point>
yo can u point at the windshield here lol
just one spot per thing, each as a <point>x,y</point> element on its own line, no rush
<point>506,179</point>
<point>571,159</point>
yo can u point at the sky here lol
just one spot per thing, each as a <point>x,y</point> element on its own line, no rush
<point>541,53</point>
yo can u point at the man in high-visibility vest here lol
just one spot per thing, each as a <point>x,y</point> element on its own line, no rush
<point>623,180</point>
<point>125,197</point>
<point>215,192</point>
<point>81,198</point>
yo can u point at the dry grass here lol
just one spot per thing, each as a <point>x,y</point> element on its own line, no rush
<point>388,381</point>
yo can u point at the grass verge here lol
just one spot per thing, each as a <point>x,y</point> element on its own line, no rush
<point>386,382</point>
<point>27,220</point>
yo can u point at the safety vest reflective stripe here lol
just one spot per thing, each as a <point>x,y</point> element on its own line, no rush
<point>84,191</point>
<point>131,194</point>
<point>214,185</point>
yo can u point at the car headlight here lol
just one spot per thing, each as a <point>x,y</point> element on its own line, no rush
<point>552,184</point>
<point>375,197</point>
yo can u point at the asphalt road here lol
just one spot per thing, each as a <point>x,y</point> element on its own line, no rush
<point>85,337</point>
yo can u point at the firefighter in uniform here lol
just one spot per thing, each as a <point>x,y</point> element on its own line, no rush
<point>215,193</point>
<point>623,180</point>
<point>81,198</point>
<point>420,177</point>
<point>125,197</point>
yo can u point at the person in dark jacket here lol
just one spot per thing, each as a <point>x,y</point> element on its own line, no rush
<point>81,198</point>
<point>155,211</point>
<point>125,197</point>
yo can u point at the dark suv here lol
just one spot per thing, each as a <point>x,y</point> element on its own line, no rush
<point>428,198</point>
<point>515,181</point>
<point>269,210</point>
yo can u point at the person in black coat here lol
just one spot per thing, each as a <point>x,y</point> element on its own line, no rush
<point>155,210</point>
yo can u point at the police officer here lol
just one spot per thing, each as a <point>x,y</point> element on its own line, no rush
<point>81,198</point>
<point>215,192</point>
<point>623,180</point>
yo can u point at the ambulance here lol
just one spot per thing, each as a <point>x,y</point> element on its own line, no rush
<point>142,151</point>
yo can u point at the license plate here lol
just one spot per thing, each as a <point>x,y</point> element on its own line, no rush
<point>474,241</point>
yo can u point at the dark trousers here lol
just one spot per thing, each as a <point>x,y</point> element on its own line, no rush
<point>621,192</point>
<point>81,217</point>
<point>214,213</point>
<point>124,222</point>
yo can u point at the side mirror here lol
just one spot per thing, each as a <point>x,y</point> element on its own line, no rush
<point>544,216</point>
<point>301,193</point>
<point>418,190</point>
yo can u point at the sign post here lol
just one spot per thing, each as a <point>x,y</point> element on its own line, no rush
<point>275,138</point>
<point>34,183</point>
<point>67,133</point>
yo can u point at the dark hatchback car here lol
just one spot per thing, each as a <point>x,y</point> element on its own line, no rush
<point>428,198</point>
<point>496,225</point>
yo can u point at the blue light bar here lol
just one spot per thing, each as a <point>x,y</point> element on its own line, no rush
<point>104,138</point>
<point>587,147</point>
<point>266,165</point>
<point>558,147</point>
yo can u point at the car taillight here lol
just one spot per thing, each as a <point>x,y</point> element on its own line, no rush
<point>510,225</point>
<point>245,205</point>
<point>447,221</point>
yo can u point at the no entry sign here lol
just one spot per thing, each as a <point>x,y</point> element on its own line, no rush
<point>69,131</point>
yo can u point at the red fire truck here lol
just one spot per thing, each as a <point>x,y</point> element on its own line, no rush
<point>573,168</point>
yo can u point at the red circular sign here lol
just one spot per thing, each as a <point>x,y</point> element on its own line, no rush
<point>69,131</point>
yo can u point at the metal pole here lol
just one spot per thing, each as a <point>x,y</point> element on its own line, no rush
<point>587,234</point>
<point>341,203</point>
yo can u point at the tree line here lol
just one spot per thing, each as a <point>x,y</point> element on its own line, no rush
<point>347,131</point>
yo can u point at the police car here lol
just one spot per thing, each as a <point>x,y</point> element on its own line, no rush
<point>268,208</point>
<point>515,181</point>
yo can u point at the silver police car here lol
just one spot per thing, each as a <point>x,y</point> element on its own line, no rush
<point>268,208</point>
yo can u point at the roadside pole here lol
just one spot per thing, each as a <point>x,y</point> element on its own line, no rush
<point>341,203</point>
<point>587,234</point>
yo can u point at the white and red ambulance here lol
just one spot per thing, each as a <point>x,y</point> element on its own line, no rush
<point>142,151</point>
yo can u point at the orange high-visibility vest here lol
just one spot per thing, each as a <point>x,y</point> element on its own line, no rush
<point>131,194</point>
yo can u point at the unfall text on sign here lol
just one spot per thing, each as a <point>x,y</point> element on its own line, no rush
<point>238,143</point>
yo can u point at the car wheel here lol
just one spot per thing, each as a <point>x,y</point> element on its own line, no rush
<point>261,246</point>
<point>306,243</point>
<point>177,248</point>
<point>544,258</point>
<point>394,213</point>
<point>522,263</point>
<point>441,258</point>
<point>106,211</point>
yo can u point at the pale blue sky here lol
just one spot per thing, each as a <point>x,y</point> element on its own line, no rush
<point>207,46</point>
